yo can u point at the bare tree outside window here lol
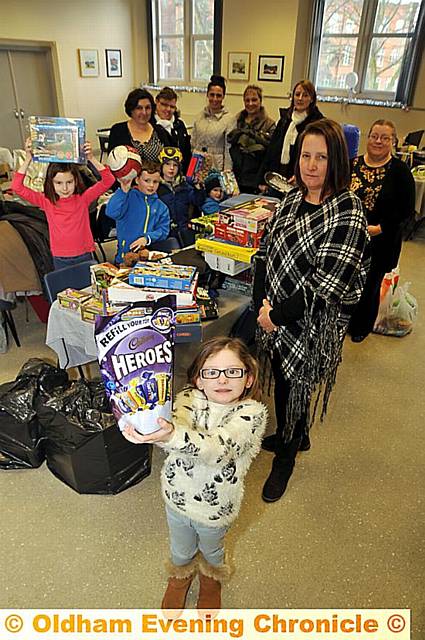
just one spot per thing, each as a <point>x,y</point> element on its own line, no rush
<point>378,39</point>
<point>183,40</point>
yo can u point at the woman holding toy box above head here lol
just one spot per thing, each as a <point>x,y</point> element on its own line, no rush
<point>282,150</point>
<point>309,274</point>
<point>140,130</point>
<point>386,187</point>
<point>250,138</point>
<point>212,126</point>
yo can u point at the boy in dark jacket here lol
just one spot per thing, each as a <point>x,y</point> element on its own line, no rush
<point>178,194</point>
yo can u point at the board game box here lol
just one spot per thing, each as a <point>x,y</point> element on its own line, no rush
<point>57,139</point>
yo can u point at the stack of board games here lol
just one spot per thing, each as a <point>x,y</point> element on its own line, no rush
<point>150,281</point>
<point>237,234</point>
<point>56,139</point>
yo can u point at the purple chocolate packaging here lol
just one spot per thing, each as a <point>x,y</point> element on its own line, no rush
<point>135,350</point>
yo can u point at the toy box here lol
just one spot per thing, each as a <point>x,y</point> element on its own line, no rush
<point>92,308</point>
<point>103,275</point>
<point>72,298</point>
<point>250,220</point>
<point>204,225</point>
<point>237,236</point>
<point>188,332</point>
<point>57,139</point>
<point>162,276</point>
<point>224,249</point>
<point>225,265</point>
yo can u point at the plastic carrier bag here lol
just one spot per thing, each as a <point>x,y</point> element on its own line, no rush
<point>397,309</point>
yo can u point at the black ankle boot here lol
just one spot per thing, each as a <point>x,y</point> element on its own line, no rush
<point>305,444</point>
<point>282,467</point>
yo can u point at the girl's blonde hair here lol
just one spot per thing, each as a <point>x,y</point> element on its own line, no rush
<point>214,346</point>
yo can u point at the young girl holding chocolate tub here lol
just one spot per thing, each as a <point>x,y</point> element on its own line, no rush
<point>215,434</point>
<point>65,202</point>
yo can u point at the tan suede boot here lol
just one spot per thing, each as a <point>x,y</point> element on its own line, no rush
<point>180,579</point>
<point>210,579</point>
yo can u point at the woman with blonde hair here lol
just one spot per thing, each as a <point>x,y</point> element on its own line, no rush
<point>250,138</point>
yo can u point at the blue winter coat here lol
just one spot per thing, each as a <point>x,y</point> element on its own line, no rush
<point>178,199</point>
<point>137,215</point>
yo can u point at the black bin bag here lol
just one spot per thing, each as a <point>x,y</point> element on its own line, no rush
<point>21,438</point>
<point>84,447</point>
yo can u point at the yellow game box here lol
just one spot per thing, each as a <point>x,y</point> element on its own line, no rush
<point>72,298</point>
<point>92,308</point>
<point>235,252</point>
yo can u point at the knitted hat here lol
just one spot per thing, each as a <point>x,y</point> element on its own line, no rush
<point>212,181</point>
<point>168,154</point>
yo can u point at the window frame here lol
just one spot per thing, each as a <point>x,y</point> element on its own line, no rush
<point>189,40</point>
<point>409,68</point>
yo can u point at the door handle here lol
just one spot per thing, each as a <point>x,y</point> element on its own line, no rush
<point>16,112</point>
<point>22,113</point>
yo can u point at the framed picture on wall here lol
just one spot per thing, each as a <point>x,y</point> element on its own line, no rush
<point>89,63</point>
<point>270,68</point>
<point>113,63</point>
<point>239,65</point>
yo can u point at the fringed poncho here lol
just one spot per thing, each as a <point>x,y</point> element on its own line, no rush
<point>316,253</point>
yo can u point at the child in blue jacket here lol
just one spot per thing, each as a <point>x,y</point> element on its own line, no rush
<point>178,194</point>
<point>214,193</point>
<point>142,218</point>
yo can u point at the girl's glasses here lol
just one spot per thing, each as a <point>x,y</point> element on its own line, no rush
<point>230,372</point>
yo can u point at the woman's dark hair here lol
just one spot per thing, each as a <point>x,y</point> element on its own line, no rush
<point>133,100</point>
<point>338,172</point>
<point>311,90</point>
<point>61,167</point>
<point>166,93</point>
<point>217,81</point>
<point>239,348</point>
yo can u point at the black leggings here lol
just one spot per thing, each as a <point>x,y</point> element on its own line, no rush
<point>282,387</point>
<point>364,316</point>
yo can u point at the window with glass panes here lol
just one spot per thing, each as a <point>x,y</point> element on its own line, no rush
<point>380,40</point>
<point>182,40</point>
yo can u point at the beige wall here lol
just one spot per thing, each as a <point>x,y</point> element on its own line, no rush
<point>279,27</point>
<point>81,24</point>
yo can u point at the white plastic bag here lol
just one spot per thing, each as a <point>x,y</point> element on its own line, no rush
<point>397,311</point>
<point>3,338</point>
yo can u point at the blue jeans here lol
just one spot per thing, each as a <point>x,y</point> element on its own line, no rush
<point>60,263</point>
<point>187,537</point>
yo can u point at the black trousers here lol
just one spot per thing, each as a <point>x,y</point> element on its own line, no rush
<point>364,316</point>
<point>282,387</point>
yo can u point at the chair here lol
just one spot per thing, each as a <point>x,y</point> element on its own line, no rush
<point>414,138</point>
<point>8,321</point>
<point>77,276</point>
<point>103,135</point>
<point>103,229</point>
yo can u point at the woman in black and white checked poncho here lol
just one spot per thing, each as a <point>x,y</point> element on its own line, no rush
<point>309,274</point>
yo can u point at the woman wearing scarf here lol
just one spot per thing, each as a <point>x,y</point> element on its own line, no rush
<point>168,118</point>
<point>250,139</point>
<point>282,150</point>
<point>309,274</point>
